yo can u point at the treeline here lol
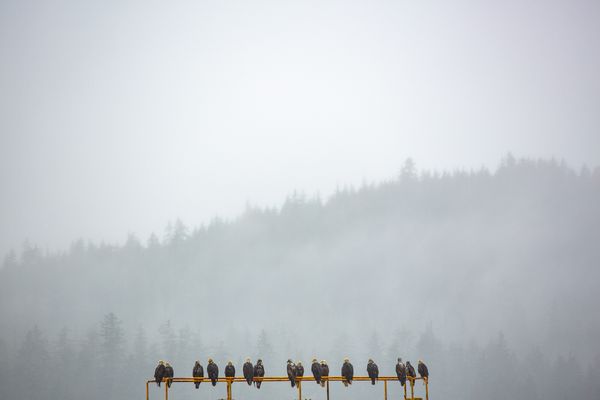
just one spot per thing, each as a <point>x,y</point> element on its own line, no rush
<point>108,362</point>
<point>464,254</point>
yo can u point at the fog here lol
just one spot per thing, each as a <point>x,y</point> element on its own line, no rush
<point>295,180</point>
<point>490,276</point>
<point>118,117</point>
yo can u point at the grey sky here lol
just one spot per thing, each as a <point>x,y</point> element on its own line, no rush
<point>116,117</point>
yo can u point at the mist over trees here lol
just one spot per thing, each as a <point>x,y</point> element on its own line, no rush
<point>491,277</point>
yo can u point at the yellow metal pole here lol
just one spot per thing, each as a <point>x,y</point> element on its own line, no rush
<point>299,383</point>
<point>228,389</point>
<point>426,389</point>
<point>412,389</point>
<point>405,391</point>
<point>147,391</point>
<point>327,389</point>
<point>384,390</point>
<point>166,389</point>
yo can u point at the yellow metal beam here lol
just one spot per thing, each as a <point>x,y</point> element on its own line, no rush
<point>284,379</point>
<point>230,381</point>
<point>385,390</point>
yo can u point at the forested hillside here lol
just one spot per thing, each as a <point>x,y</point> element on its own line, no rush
<point>486,274</point>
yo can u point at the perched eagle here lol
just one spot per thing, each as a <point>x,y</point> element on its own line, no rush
<point>410,372</point>
<point>229,370</point>
<point>324,372</point>
<point>213,371</point>
<point>316,370</point>
<point>198,372</point>
<point>291,372</point>
<point>401,372</point>
<point>159,372</point>
<point>299,371</point>
<point>423,371</point>
<point>259,371</point>
<point>347,372</point>
<point>168,374</point>
<point>248,371</point>
<point>373,371</point>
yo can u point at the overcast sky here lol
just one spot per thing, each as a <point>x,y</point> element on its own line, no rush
<point>118,116</point>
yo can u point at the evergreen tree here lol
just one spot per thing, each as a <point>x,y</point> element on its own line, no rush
<point>32,372</point>
<point>89,383</point>
<point>168,341</point>
<point>264,348</point>
<point>111,344</point>
<point>64,365</point>
<point>10,260</point>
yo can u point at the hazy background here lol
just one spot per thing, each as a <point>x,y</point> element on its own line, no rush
<point>490,276</point>
<point>221,179</point>
<point>119,116</point>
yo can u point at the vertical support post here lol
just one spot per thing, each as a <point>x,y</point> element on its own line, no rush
<point>426,389</point>
<point>405,391</point>
<point>384,390</point>
<point>147,391</point>
<point>166,389</point>
<point>412,389</point>
<point>228,389</point>
<point>299,384</point>
<point>327,389</point>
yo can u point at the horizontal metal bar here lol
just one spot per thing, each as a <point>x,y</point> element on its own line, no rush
<point>284,379</point>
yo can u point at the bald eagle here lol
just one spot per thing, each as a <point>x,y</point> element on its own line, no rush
<point>401,372</point>
<point>324,372</point>
<point>347,372</point>
<point>423,371</point>
<point>259,371</point>
<point>291,372</point>
<point>316,370</point>
<point>229,370</point>
<point>373,371</point>
<point>213,371</point>
<point>248,371</point>
<point>168,374</point>
<point>410,372</point>
<point>299,371</point>
<point>159,372</point>
<point>198,372</point>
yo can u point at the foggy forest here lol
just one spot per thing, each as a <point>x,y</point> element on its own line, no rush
<point>488,275</point>
<point>288,181</point>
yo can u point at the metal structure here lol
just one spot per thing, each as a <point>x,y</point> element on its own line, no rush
<point>385,379</point>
